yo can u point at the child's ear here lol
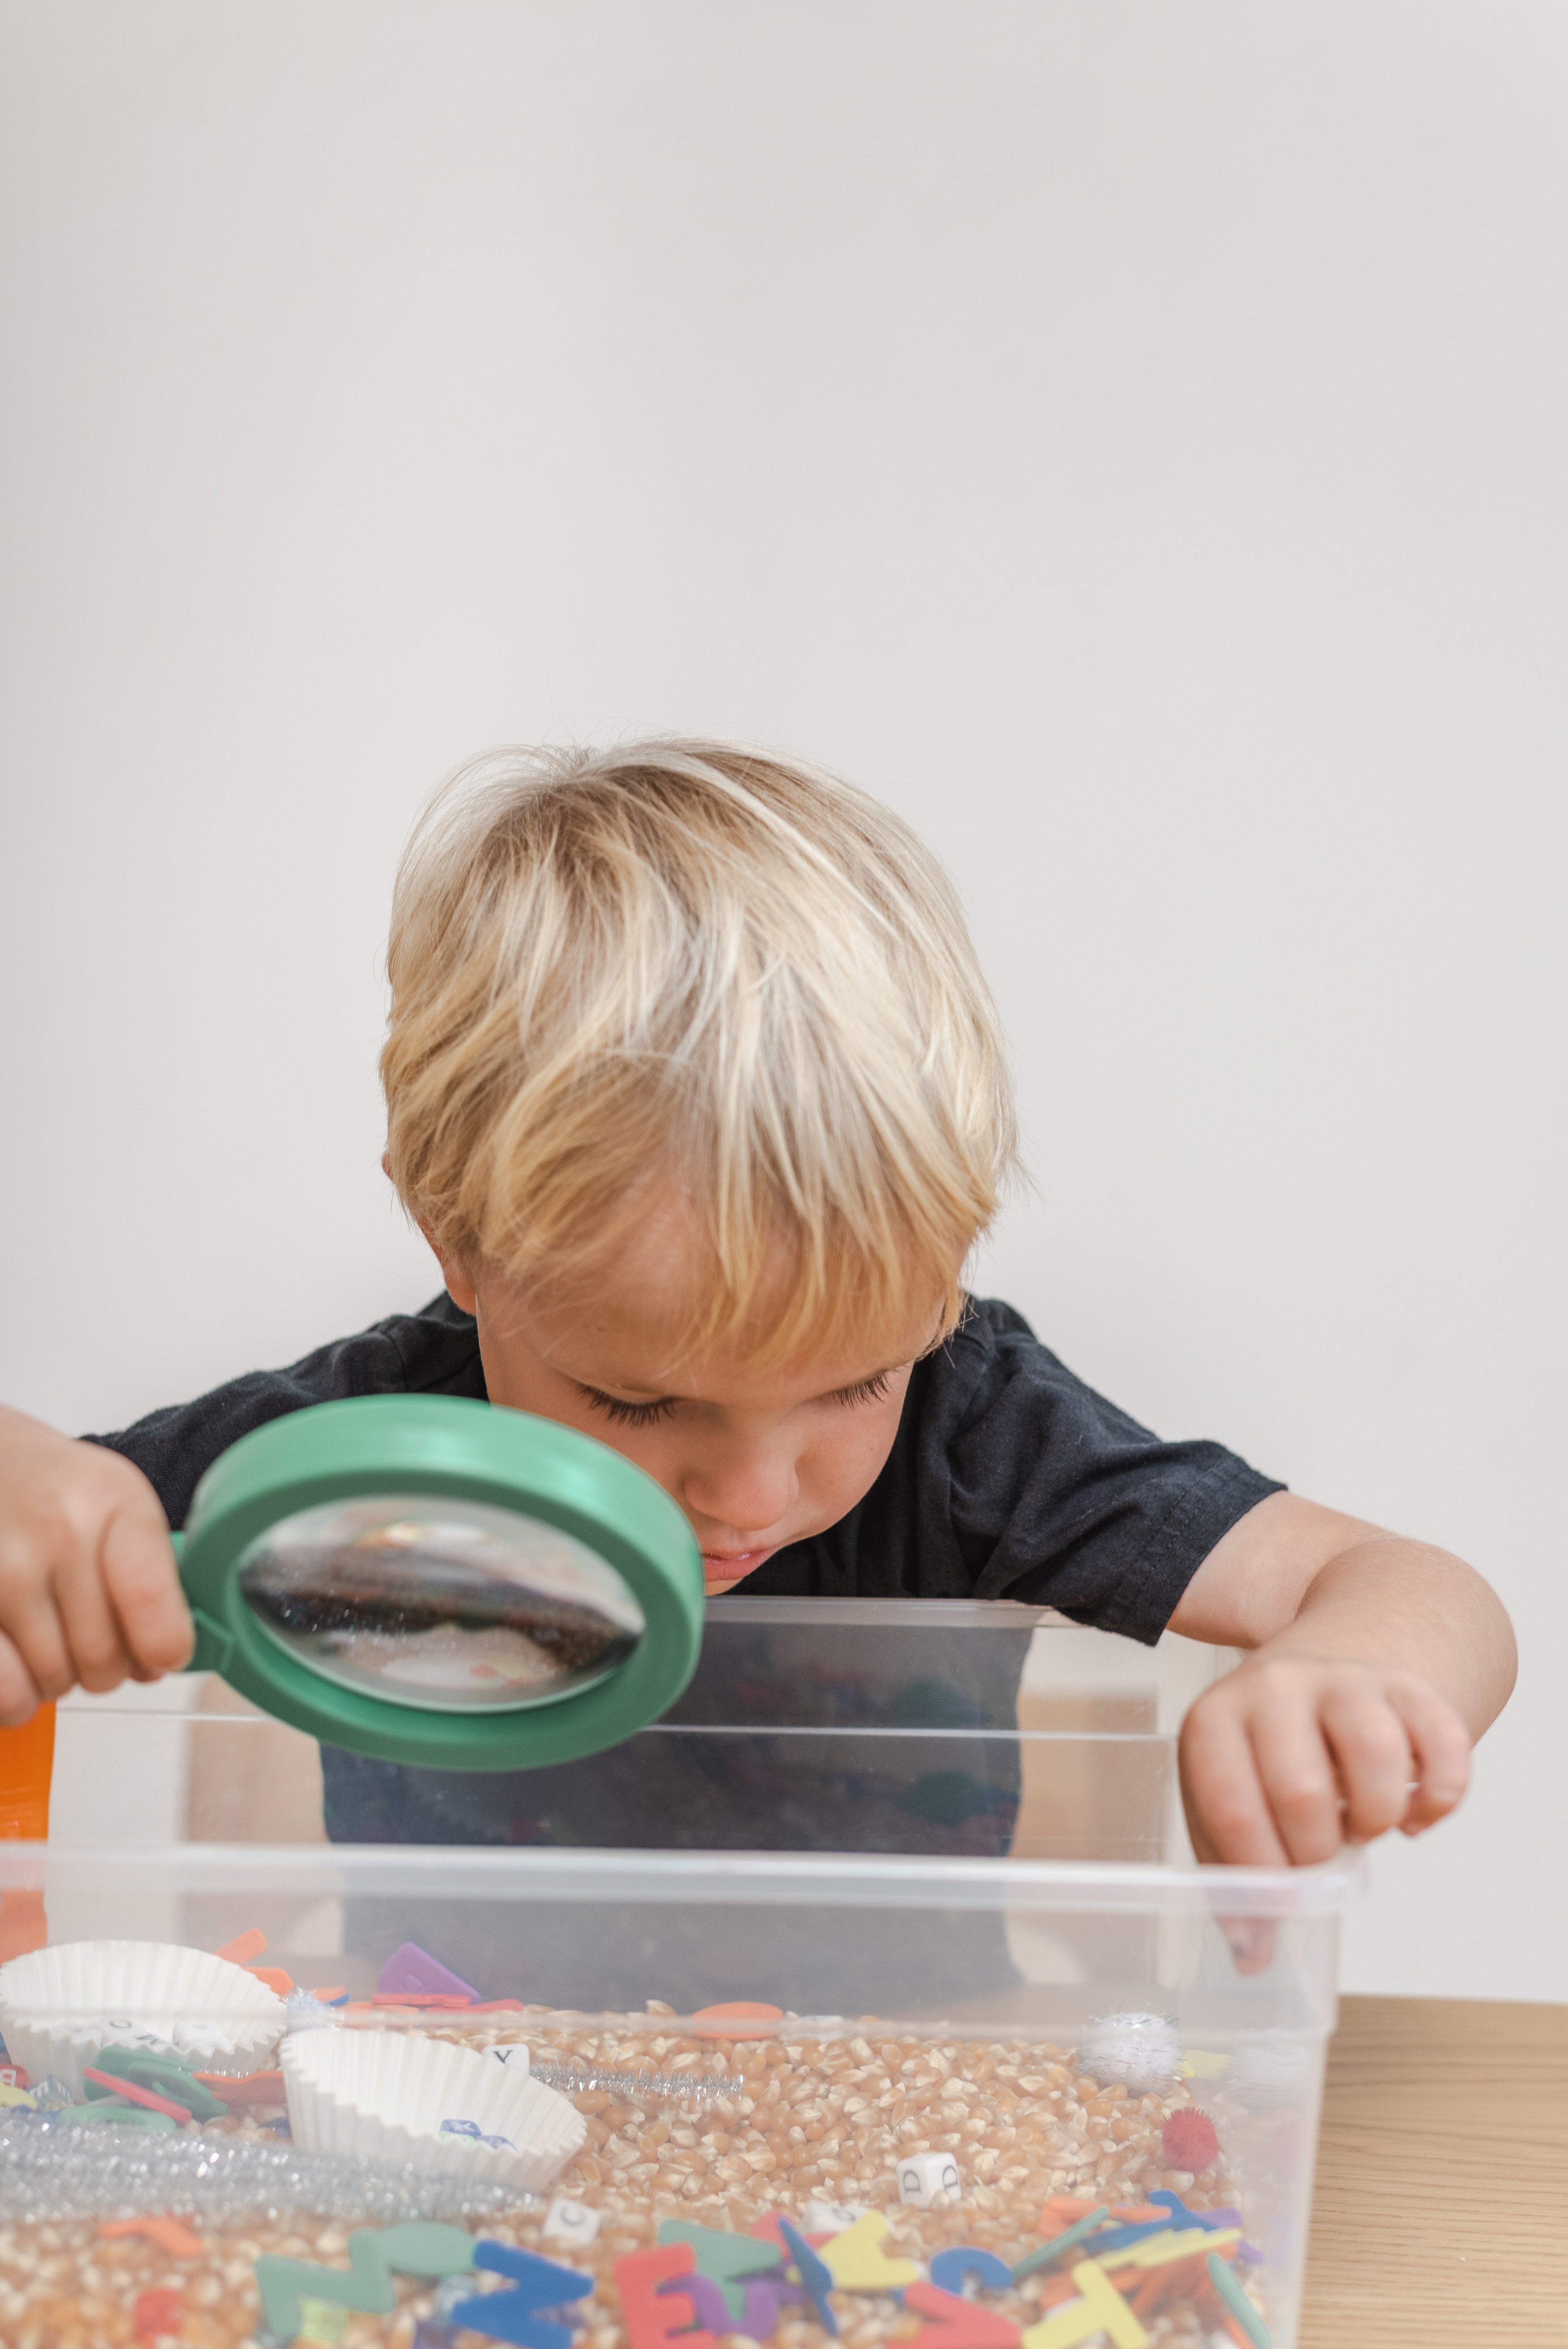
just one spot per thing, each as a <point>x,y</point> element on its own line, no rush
<point>459,1288</point>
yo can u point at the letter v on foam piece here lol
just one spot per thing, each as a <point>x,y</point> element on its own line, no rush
<point>816,2276</point>
<point>1099,2308</point>
<point>422,2248</point>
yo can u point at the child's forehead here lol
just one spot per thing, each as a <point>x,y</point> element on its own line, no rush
<point>625,1323</point>
<point>610,1342</point>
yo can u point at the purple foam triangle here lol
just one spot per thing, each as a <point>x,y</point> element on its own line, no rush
<point>414,1968</point>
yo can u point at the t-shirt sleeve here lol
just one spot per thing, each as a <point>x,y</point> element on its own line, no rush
<point>1057,1497</point>
<point>434,1351</point>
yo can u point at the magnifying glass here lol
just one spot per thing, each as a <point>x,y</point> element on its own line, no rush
<point>431,1579</point>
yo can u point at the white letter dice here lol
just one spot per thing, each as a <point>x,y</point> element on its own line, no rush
<point>922,2177</point>
<point>513,2053</point>
<point>570,2222</point>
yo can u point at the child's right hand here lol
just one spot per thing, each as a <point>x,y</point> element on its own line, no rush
<point>89,1590</point>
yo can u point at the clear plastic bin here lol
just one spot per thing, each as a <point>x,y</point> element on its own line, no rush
<point>945,1840</point>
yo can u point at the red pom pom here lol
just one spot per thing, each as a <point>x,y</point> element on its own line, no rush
<point>157,2316</point>
<point>1188,2141</point>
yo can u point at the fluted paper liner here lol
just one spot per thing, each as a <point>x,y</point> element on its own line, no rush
<point>387,2093</point>
<point>61,2007</point>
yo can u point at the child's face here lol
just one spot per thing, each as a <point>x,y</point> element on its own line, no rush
<point>755,1458</point>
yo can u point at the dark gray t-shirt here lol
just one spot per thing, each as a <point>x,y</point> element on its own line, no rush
<point>1008,1478</point>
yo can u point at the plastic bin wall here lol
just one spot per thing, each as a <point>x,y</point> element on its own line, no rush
<point>963,1822</point>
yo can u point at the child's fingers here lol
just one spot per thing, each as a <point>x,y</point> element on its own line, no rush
<point>1227,1810</point>
<point>1442,1746</point>
<point>96,1652</point>
<point>142,1584</point>
<point>1251,1941</point>
<point>1298,1774</point>
<point>31,1626</point>
<point>1374,1756</point>
<point>20,1696</point>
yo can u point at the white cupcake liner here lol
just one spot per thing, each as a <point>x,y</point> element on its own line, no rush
<point>61,2007</point>
<point>387,2094</point>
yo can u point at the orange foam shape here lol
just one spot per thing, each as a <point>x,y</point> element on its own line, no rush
<point>243,1947</point>
<point>249,2088</point>
<point>741,2018</point>
<point>1060,2211</point>
<point>171,2235</point>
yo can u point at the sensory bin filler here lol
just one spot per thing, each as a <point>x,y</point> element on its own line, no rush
<point>1055,2105</point>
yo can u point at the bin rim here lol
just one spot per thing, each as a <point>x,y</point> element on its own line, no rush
<point>820,1879</point>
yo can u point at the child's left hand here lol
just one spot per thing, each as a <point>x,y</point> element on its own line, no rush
<point>1375,1663</point>
<point>1292,1755</point>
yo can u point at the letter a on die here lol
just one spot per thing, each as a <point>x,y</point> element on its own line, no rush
<point>922,2177</point>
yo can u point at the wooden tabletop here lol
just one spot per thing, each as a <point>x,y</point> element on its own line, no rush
<point>1438,2217</point>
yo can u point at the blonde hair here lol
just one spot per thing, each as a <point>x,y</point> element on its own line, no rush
<point>706,965</point>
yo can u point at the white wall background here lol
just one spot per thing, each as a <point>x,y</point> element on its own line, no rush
<point>1130,439</point>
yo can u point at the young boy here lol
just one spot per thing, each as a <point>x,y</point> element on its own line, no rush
<point>695,1090</point>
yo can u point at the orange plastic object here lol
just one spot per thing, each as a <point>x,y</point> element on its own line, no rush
<point>243,1947</point>
<point>27,1765</point>
<point>169,2234</point>
<point>274,1976</point>
<point>332,1991</point>
<point>249,2088</point>
<point>417,1998</point>
<point>23,1924</point>
<point>743,2018</point>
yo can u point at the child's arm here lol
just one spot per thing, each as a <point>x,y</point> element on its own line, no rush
<point>89,1590</point>
<point>1376,1663</point>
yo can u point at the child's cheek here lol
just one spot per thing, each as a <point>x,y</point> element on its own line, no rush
<point>848,1457</point>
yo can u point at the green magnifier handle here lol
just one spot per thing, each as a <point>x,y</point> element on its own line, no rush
<point>212,1645</point>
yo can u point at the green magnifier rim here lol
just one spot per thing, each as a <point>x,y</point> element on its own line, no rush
<point>445,1445</point>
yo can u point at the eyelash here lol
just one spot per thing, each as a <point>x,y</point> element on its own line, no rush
<point>628,1415</point>
<point>648,1414</point>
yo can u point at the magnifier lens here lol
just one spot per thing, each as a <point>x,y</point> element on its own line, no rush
<point>450,1606</point>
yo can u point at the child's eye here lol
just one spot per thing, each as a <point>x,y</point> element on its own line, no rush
<point>867,1391</point>
<point>629,1414</point>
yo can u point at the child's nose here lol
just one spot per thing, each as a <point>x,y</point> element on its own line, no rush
<point>743,1494</point>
